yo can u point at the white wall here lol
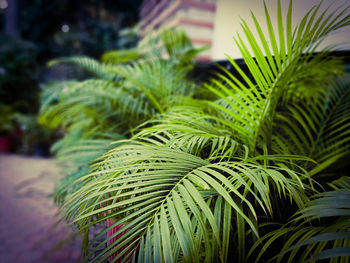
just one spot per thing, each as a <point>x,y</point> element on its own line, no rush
<point>229,12</point>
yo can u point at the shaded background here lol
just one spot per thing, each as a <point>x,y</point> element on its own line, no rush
<point>34,31</point>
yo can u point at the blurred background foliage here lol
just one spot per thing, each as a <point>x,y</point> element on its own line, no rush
<point>34,31</point>
<point>93,26</point>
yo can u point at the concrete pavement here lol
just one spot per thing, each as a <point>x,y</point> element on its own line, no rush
<point>28,214</point>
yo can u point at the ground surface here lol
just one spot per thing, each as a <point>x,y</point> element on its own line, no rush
<point>27,213</point>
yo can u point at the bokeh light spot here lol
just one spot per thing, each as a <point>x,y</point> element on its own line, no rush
<point>65,28</point>
<point>3,4</point>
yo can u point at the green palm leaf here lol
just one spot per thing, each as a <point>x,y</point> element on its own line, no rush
<point>307,240</point>
<point>318,129</point>
<point>254,102</point>
<point>192,132</point>
<point>89,64</point>
<point>121,56</point>
<point>152,181</point>
<point>93,102</point>
<point>160,81</point>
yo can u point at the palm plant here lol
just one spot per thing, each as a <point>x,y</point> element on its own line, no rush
<point>118,97</point>
<point>189,185</point>
<point>192,183</point>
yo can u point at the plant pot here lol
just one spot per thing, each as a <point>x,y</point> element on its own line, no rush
<point>5,144</point>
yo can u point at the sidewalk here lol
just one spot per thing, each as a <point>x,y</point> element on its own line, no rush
<point>27,213</point>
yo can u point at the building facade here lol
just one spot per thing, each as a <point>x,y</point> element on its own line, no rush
<point>195,17</point>
<point>215,22</point>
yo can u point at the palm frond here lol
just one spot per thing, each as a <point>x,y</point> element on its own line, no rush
<point>74,153</point>
<point>89,64</point>
<point>92,103</point>
<point>159,80</point>
<point>309,241</point>
<point>179,46</point>
<point>152,185</point>
<point>121,56</point>
<point>193,132</point>
<point>317,128</point>
<point>272,67</point>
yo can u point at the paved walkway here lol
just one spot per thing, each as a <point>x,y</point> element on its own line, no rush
<point>27,213</point>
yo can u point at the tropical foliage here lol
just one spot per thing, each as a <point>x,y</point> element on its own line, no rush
<point>122,93</point>
<point>322,226</point>
<point>199,180</point>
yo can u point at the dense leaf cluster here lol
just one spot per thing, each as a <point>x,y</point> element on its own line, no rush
<point>258,173</point>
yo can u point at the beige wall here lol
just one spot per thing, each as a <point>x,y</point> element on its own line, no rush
<point>229,12</point>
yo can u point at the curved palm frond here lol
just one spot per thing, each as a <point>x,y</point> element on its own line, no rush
<point>170,43</point>
<point>156,193</point>
<point>317,128</point>
<point>75,152</point>
<point>76,160</point>
<point>121,56</point>
<point>316,75</point>
<point>321,230</point>
<point>179,46</point>
<point>272,67</point>
<point>193,131</point>
<point>94,102</point>
<point>162,83</point>
<point>120,98</point>
<point>91,65</point>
